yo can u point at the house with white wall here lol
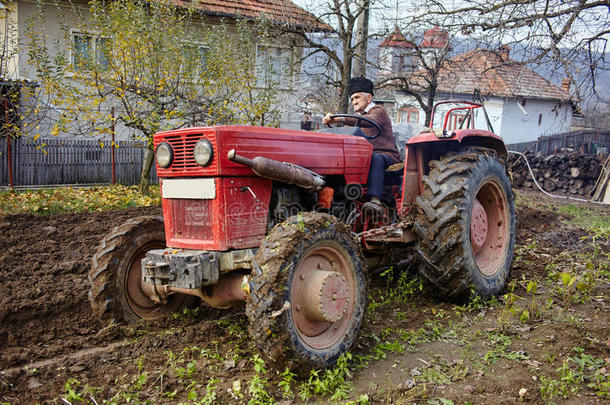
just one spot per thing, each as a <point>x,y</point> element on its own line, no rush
<point>271,52</point>
<point>521,105</point>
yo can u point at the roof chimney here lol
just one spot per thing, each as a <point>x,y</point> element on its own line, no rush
<point>565,85</point>
<point>504,52</point>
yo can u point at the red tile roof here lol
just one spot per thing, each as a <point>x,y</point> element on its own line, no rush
<point>396,40</point>
<point>495,74</point>
<point>279,11</point>
<point>435,38</point>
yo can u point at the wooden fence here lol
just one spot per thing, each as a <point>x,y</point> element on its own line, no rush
<point>53,161</point>
<point>585,142</point>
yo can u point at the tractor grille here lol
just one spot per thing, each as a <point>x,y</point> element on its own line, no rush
<point>191,219</point>
<point>184,161</point>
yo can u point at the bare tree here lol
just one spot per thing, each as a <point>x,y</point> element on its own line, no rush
<point>419,65</point>
<point>568,38</point>
<point>334,51</point>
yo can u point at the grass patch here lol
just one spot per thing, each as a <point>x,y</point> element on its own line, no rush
<point>585,217</point>
<point>69,200</point>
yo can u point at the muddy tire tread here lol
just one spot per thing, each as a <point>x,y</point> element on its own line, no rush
<point>440,222</point>
<point>270,335</point>
<point>105,295</point>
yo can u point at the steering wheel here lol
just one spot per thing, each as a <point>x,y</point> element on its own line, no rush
<point>362,118</point>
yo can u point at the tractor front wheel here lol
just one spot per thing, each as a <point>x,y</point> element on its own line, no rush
<point>307,295</point>
<point>115,275</point>
<point>466,224</point>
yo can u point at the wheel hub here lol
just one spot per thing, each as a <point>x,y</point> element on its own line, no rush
<point>322,296</point>
<point>325,296</point>
<point>478,226</point>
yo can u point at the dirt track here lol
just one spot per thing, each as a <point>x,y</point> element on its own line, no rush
<point>47,325</point>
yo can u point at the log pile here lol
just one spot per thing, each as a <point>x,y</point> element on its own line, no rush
<point>569,174</point>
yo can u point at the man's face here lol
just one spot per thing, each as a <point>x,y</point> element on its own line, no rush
<point>360,100</point>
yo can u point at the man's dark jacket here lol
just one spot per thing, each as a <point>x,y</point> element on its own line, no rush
<point>384,143</point>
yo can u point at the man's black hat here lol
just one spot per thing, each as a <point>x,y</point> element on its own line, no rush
<point>360,84</point>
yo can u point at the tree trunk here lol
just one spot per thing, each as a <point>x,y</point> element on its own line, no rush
<point>359,68</point>
<point>344,105</point>
<point>146,166</point>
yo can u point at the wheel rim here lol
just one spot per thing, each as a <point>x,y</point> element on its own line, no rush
<point>325,272</point>
<point>137,299</point>
<point>489,227</point>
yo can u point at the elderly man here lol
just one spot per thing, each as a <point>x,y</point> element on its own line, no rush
<point>384,148</point>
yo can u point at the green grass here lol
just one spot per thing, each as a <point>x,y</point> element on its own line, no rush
<point>585,217</point>
<point>69,200</point>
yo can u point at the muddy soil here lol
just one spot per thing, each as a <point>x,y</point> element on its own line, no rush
<point>48,333</point>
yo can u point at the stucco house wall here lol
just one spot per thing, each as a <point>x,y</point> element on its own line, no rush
<point>57,13</point>
<point>534,119</point>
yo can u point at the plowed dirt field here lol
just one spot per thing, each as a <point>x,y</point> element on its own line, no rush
<point>412,347</point>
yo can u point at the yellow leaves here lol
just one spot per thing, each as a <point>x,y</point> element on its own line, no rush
<point>36,137</point>
<point>55,130</point>
<point>65,200</point>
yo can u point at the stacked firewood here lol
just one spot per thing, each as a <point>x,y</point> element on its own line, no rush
<point>561,173</point>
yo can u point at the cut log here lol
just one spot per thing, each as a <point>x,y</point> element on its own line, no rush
<point>574,172</point>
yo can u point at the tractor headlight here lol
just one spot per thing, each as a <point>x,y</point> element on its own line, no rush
<point>164,154</point>
<point>204,152</point>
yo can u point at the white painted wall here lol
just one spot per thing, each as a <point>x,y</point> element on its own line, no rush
<point>55,37</point>
<point>9,57</point>
<point>512,123</point>
<point>536,118</point>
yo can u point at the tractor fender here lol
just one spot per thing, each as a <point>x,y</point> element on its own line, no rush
<point>470,137</point>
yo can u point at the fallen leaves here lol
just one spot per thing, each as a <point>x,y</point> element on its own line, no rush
<point>69,199</point>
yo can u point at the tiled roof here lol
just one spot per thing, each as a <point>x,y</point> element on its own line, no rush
<point>495,74</point>
<point>396,40</point>
<point>279,11</point>
<point>435,38</point>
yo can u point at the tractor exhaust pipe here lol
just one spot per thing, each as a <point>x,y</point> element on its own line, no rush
<point>280,171</point>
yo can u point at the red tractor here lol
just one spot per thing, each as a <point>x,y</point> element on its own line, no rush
<point>273,218</point>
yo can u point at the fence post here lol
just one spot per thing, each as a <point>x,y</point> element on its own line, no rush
<point>113,148</point>
<point>10,161</point>
<point>8,146</point>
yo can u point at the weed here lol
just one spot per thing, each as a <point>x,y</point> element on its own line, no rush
<point>533,311</point>
<point>363,399</point>
<point>210,392</point>
<point>72,390</point>
<point>330,382</point>
<point>256,386</point>
<point>400,288</point>
<point>141,378</point>
<point>442,373</point>
<point>285,385</point>
<point>500,344</point>
<point>574,373</point>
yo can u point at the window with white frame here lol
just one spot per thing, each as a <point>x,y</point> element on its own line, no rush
<point>86,47</point>
<point>408,114</point>
<point>273,67</point>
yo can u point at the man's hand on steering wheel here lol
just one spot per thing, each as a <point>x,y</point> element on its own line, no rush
<point>333,118</point>
<point>329,119</point>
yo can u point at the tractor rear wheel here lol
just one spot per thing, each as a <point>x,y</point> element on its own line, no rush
<point>307,295</point>
<point>466,224</point>
<point>115,274</point>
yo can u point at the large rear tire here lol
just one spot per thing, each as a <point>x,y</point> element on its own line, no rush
<point>115,275</point>
<point>466,224</point>
<point>308,256</point>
